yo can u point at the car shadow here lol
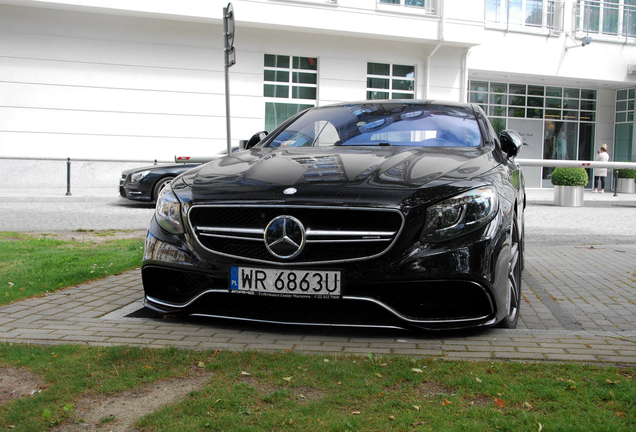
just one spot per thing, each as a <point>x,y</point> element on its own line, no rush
<point>367,333</point>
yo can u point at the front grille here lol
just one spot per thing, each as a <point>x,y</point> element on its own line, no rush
<point>333,234</point>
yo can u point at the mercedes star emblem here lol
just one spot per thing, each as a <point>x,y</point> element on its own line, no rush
<point>285,237</point>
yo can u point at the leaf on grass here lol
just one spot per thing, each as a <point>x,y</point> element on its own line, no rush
<point>416,407</point>
<point>355,412</point>
<point>527,405</point>
<point>378,375</point>
<point>499,403</point>
<point>201,364</point>
<point>540,427</point>
<point>245,373</point>
<point>391,417</point>
<point>46,413</point>
<point>126,352</point>
<point>417,370</point>
<point>446,402</point>
<point>478,380</point>
<point>609,381</point>
<point>288,379</point>
<point>148,367</point>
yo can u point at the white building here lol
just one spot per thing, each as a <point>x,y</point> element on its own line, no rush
<point>144,79</point>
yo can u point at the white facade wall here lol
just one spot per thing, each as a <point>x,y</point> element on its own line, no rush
<point>145,79</point>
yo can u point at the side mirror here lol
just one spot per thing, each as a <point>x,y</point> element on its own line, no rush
<point>256,138</point>
<point>511,142</point>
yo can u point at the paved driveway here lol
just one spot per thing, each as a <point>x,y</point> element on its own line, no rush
<point>579,292</point>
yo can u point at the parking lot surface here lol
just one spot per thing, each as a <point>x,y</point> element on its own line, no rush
<point>579,292</point>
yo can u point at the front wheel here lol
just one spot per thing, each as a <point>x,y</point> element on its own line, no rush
<point>159,187</point>
<point>514,281</point>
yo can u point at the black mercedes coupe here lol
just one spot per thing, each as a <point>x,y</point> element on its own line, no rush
<point>146,183</point>
<point>400,213</point>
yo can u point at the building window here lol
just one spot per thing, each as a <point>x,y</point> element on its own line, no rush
<point>387,81</point>
<point>568,115</point>
<point>292,78</point>
<point>416,3</point>
<point>425,6</point>
<point>608,17</point>
<point>624,132</point>
<point>505,100</point>
<point>543,16</point>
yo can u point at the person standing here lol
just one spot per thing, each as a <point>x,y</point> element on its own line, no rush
<point>601,173</point>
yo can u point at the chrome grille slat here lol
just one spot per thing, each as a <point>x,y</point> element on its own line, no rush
<point>331,232</point>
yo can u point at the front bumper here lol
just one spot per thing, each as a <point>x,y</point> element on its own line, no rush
<point>134,191</point>
<point>427,286</point>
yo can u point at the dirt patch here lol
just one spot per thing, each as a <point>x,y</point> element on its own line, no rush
<point>118,412</point>
<point>17,383</point>
<point>302,394</point>
<point>91,236</point>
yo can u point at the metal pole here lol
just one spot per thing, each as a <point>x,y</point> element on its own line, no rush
<point>615,179</point>
<point>68,177</point>
<point>227,81</point>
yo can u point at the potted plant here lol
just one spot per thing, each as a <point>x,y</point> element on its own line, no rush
<point>626,181</point>
<point>568,186</point>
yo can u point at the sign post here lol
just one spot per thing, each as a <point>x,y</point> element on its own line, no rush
<point>230,60</point>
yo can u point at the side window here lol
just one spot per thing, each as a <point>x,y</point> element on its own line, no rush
<point>321,133</point>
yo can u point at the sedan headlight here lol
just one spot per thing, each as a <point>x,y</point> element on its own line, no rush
<point>461,214</point>
<point>139,176</point>
<point>168,211</point>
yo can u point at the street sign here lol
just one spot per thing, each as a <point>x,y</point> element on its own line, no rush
<point>228,32</point>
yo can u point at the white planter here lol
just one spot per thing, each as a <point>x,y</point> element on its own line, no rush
<point>626,185</point>
<point>568,196</point>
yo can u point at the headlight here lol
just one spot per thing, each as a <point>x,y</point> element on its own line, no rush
<point>168,211</point>
<point>461,214</point>
<point>139,176</point>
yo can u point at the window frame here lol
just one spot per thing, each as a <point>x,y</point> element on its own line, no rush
<point>597,11</point>
<point>294,100</point>
<point>391,79</point>
<point>497,16</point>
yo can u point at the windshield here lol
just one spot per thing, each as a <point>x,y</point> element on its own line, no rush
<point>388,124</point>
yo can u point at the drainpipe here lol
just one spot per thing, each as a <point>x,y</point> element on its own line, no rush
<point>427,78</point>
<point>464,87</point>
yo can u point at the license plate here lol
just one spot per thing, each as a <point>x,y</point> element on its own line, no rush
<point>286,283</point>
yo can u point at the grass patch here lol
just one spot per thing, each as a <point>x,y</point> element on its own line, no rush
<point>31,266</point>
<point>251,391</point>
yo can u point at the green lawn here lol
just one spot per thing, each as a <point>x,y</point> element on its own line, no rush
<point>34,265</point>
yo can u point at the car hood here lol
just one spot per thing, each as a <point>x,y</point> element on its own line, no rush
<point>347,175</point>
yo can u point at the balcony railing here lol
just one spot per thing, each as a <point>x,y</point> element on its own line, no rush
<point>534,16</point>
<point>428,7</point>
<point>612,18</point>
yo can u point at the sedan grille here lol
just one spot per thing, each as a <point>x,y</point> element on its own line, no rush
<point>326,234</point>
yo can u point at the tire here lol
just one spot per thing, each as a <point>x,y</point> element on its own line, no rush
<point>165,181</point>
<point>514,280</point>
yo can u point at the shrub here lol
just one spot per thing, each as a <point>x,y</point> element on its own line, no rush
<point>627,173</point>
<point>569,176</point>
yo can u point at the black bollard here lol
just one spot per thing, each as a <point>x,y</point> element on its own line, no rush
<point>68,177</point>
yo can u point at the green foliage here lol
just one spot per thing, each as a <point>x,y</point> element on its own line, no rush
<point>569,176</point>
<point>31,266</point>
<point>627,173</point>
